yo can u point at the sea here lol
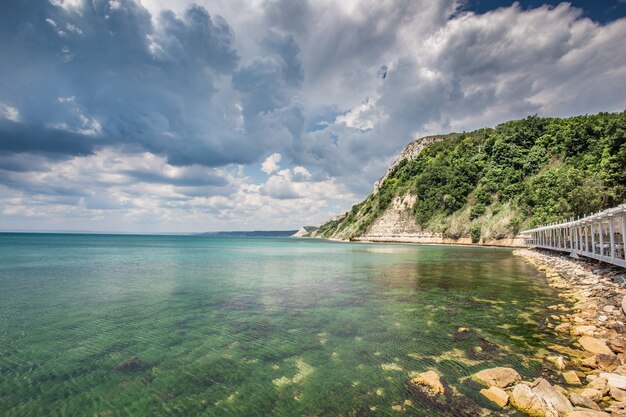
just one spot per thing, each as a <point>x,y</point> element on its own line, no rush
<point>134,325</point>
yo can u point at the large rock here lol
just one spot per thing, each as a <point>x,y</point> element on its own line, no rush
<point>617,345</point>
<point>601,384</point>
<point>618,394</point>
<point>580,401</point>
<point>542,388</point>
<point>496,395</point>
<point>593,345</point>
<point>592,394</point>
<point>615,380</point>
<point>427,385</point>
<point>624,304</point>
<point>607,363</point>
<point>525,400</point>
<point>497,377</point>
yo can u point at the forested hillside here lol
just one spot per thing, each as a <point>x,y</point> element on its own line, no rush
<point>494,182</point>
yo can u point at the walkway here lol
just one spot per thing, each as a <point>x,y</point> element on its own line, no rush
<point>600,236</point>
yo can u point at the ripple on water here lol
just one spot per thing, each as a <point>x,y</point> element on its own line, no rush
<point>186,326</point>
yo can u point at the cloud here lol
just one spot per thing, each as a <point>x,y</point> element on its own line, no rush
<point>10,113</point>
<point>99,192</point>
<point>154,113</point>
<point>271,163</point>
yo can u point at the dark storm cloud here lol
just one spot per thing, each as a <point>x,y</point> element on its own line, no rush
<point>103,74</point>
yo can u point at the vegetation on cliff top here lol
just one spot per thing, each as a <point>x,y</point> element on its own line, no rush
<point>493,182</point>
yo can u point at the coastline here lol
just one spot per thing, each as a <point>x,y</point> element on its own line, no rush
<point>515,243</point>
<point>591,361</point>
<point>587,364</point>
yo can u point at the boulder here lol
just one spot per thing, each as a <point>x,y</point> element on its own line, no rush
<point>592,394</point>
<point>580,401</point>
<point>427,385</point>
<point>606,362</point>
<point>525,400</point>
<point>497,377</point>
<point>593,345</point>
<point>571,378</point>
<point>618,394</point>
<point>543,389</point>
<point>601,384</point>
<point>615,380</point>
<point>496,395</point>
<point>624,304</point>
<point>617,345</point>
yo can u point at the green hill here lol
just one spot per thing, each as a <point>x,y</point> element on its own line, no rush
<point>491,183</point>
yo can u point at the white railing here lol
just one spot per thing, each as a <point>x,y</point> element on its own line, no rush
<point>600,236</point>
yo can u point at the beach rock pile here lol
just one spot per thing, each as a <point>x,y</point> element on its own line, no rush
<point>590,361</point>
<point>588,366</point>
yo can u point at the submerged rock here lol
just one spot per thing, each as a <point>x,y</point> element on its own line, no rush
<point>498,377</point>
<point>133,364</point>
<point>496,395</point>
<point>571,378</point>
<point>427,385</point>
<point>557,361</point>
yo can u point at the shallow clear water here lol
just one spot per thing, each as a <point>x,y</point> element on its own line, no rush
<point>101,325</point>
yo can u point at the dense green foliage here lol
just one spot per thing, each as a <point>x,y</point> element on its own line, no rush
<point>538,169</point>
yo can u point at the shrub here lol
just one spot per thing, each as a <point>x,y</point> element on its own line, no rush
<point>477,211</point>
<point>475,233</point>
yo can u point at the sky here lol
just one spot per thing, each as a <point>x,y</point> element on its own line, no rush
<point>156,116</point>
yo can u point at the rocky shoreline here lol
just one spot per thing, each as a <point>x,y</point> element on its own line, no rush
<point>591,360</point>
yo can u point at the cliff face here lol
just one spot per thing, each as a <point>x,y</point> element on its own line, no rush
<point>484,186</point>
<point>409,153</point>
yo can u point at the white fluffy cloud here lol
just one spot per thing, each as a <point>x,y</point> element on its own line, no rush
<point>271,163</point>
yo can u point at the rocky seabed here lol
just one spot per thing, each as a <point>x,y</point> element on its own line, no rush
<point>591,366</point>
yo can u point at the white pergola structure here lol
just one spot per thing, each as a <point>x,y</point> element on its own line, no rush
<point>600,236</point>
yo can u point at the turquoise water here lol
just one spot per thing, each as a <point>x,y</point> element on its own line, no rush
<point>103,325</point>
